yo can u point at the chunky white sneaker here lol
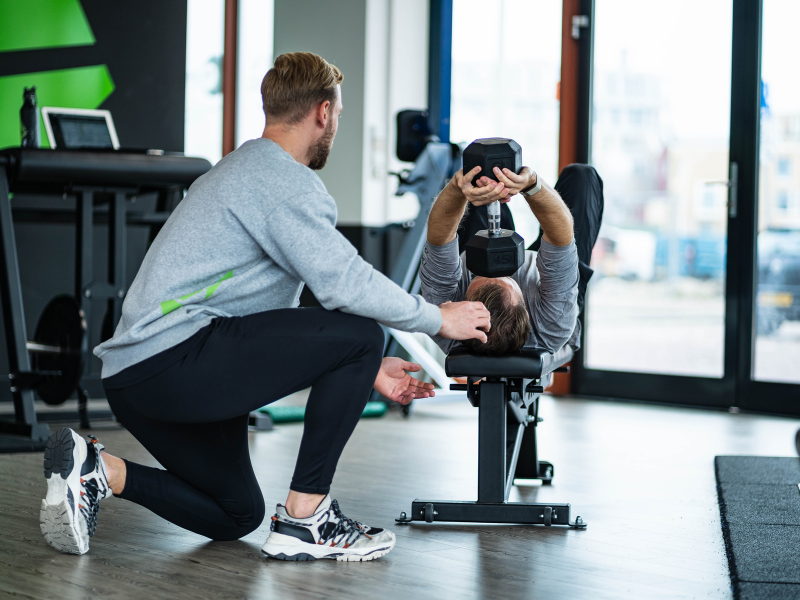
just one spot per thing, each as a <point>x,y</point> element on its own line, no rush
<point>325,534</point>
<point>76,482</point>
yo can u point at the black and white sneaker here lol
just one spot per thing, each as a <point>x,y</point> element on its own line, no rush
<point>325,534</point>
<point>76,482</point>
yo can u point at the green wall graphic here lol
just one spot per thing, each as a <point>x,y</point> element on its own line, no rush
<point>83,87</point>
<point>29,24</point>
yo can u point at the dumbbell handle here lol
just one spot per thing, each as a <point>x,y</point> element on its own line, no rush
<point>494,217</point>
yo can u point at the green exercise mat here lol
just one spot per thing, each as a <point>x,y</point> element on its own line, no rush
<point>288,414</point>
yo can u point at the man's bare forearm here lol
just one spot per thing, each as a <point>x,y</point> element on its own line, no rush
<point>446,214</point>
<point>553,215</point>
<point>547,206</point>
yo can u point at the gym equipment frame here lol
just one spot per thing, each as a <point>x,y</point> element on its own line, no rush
<point>508,402</point>
<point>433,168</point>
<point>91,177</point>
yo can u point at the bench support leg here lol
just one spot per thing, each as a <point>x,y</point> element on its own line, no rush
<point>492,443</point>
<point>529,466</point>
<point>495,476</point>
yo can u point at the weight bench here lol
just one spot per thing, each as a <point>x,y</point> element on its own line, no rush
<point>508,405</point>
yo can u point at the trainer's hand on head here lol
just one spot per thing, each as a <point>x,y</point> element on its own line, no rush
<point>486,192</point>
<point>397,385</point>
<point>465,321</point>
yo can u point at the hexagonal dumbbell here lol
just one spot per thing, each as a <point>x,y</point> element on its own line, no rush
<point>494,252</point>
<point>489,153</point>
<point>495,255</point>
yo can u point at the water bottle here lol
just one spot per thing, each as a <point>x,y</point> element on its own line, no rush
<point>29,117</point>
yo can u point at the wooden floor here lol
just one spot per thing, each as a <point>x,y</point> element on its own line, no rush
<point>642,476</point>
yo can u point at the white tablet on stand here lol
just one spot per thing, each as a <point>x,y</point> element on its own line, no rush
<point>72,128</point>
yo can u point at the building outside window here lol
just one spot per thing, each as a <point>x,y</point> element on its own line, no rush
<point>205,27</point>
<point>784,166</point>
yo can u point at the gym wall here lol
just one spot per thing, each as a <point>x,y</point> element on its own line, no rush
<point>127,56</point>
<point>381,46</point>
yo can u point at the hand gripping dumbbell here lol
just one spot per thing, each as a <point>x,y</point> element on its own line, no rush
<point>494,252</point>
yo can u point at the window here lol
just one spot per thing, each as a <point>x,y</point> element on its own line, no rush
<point>656,303</point>
<point>777,306</point>
<point>205,25</point>
<point>782,199</point>
<point>504,81</point>
<point>254,58</point>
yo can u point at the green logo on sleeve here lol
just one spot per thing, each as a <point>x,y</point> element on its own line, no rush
<point>169,305</point>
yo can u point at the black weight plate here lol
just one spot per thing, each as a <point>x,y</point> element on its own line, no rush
<point>62,325</point>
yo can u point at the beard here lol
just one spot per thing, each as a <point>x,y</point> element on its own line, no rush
<point>318,153</point>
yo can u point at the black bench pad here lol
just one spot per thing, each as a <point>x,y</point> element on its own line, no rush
<point>526,363</point>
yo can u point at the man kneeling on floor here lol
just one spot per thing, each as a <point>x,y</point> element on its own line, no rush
<point>209,333</point>
<point>538,306</point>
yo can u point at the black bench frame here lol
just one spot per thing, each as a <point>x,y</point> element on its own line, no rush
<point>507,450</point>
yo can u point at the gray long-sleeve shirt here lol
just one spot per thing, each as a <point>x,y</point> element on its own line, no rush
<point>244,240</point>
<point>548,280</point>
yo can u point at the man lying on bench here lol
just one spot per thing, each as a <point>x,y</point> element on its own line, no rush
<point>538,306</point>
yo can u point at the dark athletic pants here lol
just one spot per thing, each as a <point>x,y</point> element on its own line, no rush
<point>192,415</point>
<point>582,191</point>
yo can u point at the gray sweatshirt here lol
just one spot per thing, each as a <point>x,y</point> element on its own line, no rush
<point>246,237</point>
<point>548,280</point>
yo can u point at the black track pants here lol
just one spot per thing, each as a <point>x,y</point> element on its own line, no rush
<point>192,415</point>
<point>582,191</point>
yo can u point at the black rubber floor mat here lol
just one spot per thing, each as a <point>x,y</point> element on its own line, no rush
<point>759,503</point>
<point>772,591</point>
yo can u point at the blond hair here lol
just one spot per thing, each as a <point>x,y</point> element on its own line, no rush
<point>298,82</point>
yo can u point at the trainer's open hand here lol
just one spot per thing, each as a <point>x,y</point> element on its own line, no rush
<point>397,385</point>
<point>465,321</point>
<point>486,192</point>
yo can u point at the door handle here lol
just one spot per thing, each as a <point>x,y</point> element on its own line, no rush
<point>732,183</point>
<point>579,21</point>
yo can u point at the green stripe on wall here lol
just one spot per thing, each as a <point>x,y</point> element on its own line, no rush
<point>28,24</point>
<point>83,87</point>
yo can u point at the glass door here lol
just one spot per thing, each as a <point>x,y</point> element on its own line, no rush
<point>771,359</point>
<point>660,136</point>
<point>777,306</point>
<point>696,296</point>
